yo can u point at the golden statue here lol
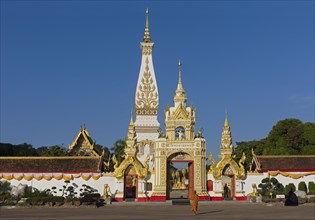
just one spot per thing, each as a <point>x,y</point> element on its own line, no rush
<point>106,190</point>
<point>173,177</point>
<point>255,191</point>
<point>184,171</point>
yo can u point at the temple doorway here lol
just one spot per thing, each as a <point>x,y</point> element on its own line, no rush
<point>228,183</point>
<point>180,177</point>
<point>130,184</point>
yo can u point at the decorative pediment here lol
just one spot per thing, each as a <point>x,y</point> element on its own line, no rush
<point>131,160</point>
<point>180,113</point>
<point>227,166</point>
<point>83,144</point>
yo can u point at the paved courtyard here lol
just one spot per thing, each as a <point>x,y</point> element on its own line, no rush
<point>210,210</point>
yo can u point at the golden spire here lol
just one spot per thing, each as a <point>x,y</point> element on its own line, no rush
<point>131,130</point>
<point>226,139</point>
<point>226,122</point>
<point>131,124</point>
<point>180,85</point>
<point>147,38</point>
<point>180,94</point>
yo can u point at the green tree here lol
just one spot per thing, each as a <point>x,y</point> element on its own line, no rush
<point>24,149</point>
<point>106,153</point>
<point>246,147</point>
<point>118,149</point>
<point>286,134</point>
<point>309,134</point>
<point>52,151</point>
<point>287,137</point>
<point>57,150</point>
<point>98,148</point>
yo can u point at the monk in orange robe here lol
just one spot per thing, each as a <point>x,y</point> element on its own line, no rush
<point>194,202</point>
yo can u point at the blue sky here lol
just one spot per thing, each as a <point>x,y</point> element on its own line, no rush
<point>64,63</point>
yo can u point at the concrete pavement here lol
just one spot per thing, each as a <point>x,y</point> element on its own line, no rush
<point>209,210</point>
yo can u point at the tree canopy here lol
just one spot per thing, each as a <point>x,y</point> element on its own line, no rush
<point>288,137</point>
<point>119,149</point>
<point>25,149</point>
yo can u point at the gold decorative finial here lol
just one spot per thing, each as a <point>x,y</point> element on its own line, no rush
<point>226,122</point>
<point>131,119</point>
<point>147,38</point>
<point>179,72</point>
<point>180,94</point>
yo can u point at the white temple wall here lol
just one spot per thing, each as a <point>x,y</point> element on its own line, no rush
<point>245,186</point>
<point>251,179</point>
<point>77,183</point>
<point>286,180</point>
<point>150,180</point>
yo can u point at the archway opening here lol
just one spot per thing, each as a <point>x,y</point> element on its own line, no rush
<point>228,183</point>
<point>180,176</point>
<point>130,184</point>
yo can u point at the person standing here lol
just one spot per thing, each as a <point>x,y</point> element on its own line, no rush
<point>194,202</point>
<point>226,191</point>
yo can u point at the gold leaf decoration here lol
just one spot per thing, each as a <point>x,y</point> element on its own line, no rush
<point>147,97</point>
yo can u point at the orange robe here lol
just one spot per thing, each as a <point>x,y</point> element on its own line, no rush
<point>194,203</point>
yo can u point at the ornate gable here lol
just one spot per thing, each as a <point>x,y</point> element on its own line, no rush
<point>180,113</point>
<point>83,144</point>
<point>130,158</point>
<point>227,165</point>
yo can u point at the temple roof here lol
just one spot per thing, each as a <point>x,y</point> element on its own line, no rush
<point>286,163</point>
<point>49,164</point>
<point>83,144</point>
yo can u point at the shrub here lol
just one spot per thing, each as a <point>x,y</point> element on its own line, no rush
<point>4,197</point>
<point>302,186</point>
<point>36,200</point>
<point>289,187</point>
<point>57,199</point>
<point>89,199</point>
<point>4,187</point>
<point>271,187</point>
<point>36,197</point>
<point>311,188</point>
<point>273,180</point>
<point>266,180</point>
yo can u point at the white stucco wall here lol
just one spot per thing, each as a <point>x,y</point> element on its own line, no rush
<point>256,178</point>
